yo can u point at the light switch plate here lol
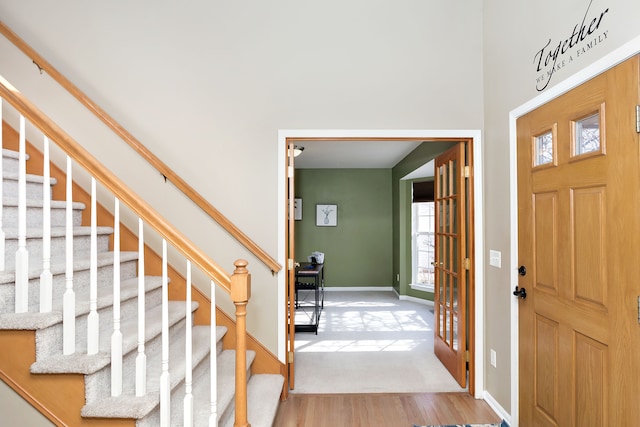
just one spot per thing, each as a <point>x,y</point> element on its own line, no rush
<point>495,258</point>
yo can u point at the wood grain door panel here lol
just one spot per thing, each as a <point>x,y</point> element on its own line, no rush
<point>577,213</point>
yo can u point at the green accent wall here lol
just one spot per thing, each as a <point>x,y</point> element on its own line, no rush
<point>358,251</point>
<point>402,213</point>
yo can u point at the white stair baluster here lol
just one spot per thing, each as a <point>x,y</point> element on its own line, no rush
<point>165,381</point>
<point>22,256</point>
<point>141,358</point>
<point>116,337</point>
<point>2,236</point>
<point>188,374</point>
<point>93,320</point>
<point>46,278</point>
<point>69,298</point>
<point>213,360</point>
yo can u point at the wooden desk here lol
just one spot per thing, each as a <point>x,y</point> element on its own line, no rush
<point>310,277</point>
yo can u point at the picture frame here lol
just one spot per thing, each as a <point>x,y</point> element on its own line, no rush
<point>326,215</point>
<point>297,209</point>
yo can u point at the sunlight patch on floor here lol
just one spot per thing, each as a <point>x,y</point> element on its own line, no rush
<point>331,346</point>
<point>379,321</point>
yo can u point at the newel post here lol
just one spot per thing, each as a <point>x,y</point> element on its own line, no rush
<point>240,294</point>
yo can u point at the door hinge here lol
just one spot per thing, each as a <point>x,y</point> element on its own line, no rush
<point>467,355</point>
<point>290,264</point>
<point>466,263</point>
<point>291,357</point>
<point>290,172</point>
<point>467,172</point>
<point>638,118</point>
<point>639,310</point>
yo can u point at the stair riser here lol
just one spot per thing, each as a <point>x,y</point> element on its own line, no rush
<point>48,339</point>
<point>201,372</point>
<point>97,385</point>
<point>80,282</point>
<point>34,189</point>
<point>10,163</point>
<point>35,217</point>
<point>81,247</point>
<point>227,415</point>
<point>128,310</point>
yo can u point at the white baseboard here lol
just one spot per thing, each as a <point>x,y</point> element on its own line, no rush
<point>357,288</point>
<point>497,408</point>
<point>377,289</point>
<point>414,299</point>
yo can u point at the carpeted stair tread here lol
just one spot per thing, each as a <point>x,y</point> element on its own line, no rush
<point>153,324</point>
<point>36,233</point>
<point>139,408</point>
<point>13,176</point>
<point>79,263</point>
<point>263,398</point>
<point>37,203</point>
<point>82,363</point>
<point>226,363</point>
<point>121,407</point>
<point>226,368</point>
<point>35,321</point>
<point>29,321</point>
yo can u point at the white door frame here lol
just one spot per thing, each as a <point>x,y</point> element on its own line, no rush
<point>619,55</point>
<point>284,134</point>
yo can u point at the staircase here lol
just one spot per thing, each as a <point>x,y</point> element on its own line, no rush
<point>100,406</point>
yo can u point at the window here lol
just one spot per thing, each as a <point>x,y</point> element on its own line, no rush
<point>423,245</point>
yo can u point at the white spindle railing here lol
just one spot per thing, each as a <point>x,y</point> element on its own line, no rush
<point>165,379</point>
<point>116,337</point>
<point>46,278</point>
<point>188,362</point>
<point>213,361</point>
<point>2,234</point>
<point>93,321</point>
<point>69,299</point>
<point>141,358</point>
<point>47,302</point>
<point>22,256</point>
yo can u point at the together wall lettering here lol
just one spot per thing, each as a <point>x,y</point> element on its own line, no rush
<point>552,57</point>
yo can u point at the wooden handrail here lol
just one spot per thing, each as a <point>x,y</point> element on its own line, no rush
<point>165,170</point>
<point>113,184</point>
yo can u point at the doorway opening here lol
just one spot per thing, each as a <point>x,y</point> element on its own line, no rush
<point>287,140</point>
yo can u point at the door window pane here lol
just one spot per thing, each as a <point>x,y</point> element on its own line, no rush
<point>587,134</point>
<point>543,150</point>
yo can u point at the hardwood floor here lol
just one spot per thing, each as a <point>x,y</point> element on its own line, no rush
<point>382,410</point>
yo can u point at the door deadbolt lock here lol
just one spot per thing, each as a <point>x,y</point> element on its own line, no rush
<point>522,270</point>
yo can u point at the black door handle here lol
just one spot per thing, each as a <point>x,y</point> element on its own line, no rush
<point>520,292</point>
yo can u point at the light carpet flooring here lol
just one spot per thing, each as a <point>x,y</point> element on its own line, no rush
<point>370,342</point>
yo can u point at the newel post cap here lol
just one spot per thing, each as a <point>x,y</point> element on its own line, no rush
<point>241,282</point>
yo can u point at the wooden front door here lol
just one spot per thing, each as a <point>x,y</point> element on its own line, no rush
<point>451,271</point>
<point>578,234</point>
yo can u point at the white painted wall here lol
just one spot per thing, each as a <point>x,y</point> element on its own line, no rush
<point>17,412</point>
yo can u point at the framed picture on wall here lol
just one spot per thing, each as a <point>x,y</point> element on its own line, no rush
<point>297,209</point>
<point>326,215</point>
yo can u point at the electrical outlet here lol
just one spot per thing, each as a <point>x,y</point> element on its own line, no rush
<point>397,277</point>
<point>493,358</point>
